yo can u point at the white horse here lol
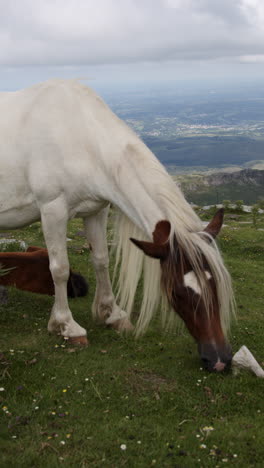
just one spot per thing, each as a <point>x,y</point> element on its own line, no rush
<point>64,154</point>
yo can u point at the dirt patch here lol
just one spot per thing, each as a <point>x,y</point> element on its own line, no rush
<point>142,381</point>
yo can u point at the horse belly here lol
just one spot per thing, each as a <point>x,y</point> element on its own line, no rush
<point>19,217</point>
<point>18,205</point>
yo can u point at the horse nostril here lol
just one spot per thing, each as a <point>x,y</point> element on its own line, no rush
<point>208,365</point>
<point>215,358</point>
<point>219,366</point>
<point>212,366</point>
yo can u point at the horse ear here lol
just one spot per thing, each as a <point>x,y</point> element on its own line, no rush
<point>151,249</point>
<point>214,227</point>
<point>160,247</point>
<point>162,232</point>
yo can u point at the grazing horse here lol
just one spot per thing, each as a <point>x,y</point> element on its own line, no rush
<point>30,271</point>
<point>64,154</point>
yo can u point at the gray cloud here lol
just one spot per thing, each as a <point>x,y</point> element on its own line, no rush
<point>89,32</point>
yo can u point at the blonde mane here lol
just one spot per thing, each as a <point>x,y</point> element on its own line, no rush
<point>131,264</point>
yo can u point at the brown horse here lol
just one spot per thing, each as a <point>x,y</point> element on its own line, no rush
<point>30,271</point>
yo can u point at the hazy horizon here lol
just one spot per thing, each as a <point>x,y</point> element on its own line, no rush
<point>124,42</point>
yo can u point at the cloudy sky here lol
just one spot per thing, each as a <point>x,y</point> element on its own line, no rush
<point>119,41</point>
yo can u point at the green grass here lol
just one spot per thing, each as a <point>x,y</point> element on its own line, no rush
<point>150,395</point>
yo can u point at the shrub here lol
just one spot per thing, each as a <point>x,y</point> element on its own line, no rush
<point>254,211</point>
<point>226,204</point>
<point>239,205</point>
<point>261,203</point>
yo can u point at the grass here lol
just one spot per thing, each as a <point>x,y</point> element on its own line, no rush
<point>121,402</point>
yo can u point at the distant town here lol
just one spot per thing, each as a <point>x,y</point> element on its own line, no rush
<point>199,132</point>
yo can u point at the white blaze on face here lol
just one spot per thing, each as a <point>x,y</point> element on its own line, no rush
<point>190,281</point>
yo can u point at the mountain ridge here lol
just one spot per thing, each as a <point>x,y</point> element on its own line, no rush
<point>246,184</point>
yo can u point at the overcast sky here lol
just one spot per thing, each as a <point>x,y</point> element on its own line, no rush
<point>113,41</point>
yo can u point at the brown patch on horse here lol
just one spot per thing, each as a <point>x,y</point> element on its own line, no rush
<point>159,248</point>
<point>33,248</point>
<point>200,310</point>
<point>215,225</point>
<point>204,325</point>
<point>30,272</point>
<point>161,233</point>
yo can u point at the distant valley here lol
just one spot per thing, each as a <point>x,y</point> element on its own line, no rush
<point>211,127</point>
<point>204,151</point>
<point>197,133</point>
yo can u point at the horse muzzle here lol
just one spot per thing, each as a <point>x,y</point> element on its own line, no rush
<point>215,358</point>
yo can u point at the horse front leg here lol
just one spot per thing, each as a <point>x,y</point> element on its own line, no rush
<point>54,219</point>
<point>105,309</point>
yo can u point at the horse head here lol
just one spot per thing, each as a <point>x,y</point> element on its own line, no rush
<point>192,294</point>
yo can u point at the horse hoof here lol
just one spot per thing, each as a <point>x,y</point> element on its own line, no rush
<point>78,341</point>
<point>122,325</point>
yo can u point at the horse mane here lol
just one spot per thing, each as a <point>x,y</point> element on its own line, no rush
<point>131,264</point>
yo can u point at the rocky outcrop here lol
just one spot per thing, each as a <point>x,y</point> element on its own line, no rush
<point>246,176</point>
<point>207,189</point>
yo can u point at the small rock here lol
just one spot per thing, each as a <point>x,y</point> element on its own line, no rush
<point>182,453</point>
<point>80,234</point>
<point>6,235</point>
<point>31,362</point>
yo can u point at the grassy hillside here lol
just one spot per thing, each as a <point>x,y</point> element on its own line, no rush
<point>121,402</point>
<point>215,195</point>
<point>204,189</point>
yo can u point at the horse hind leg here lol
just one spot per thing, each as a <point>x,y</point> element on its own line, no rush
<point>54,222</point>
<point>105,309</point>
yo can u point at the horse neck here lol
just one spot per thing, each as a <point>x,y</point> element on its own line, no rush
<point>145,193</point>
